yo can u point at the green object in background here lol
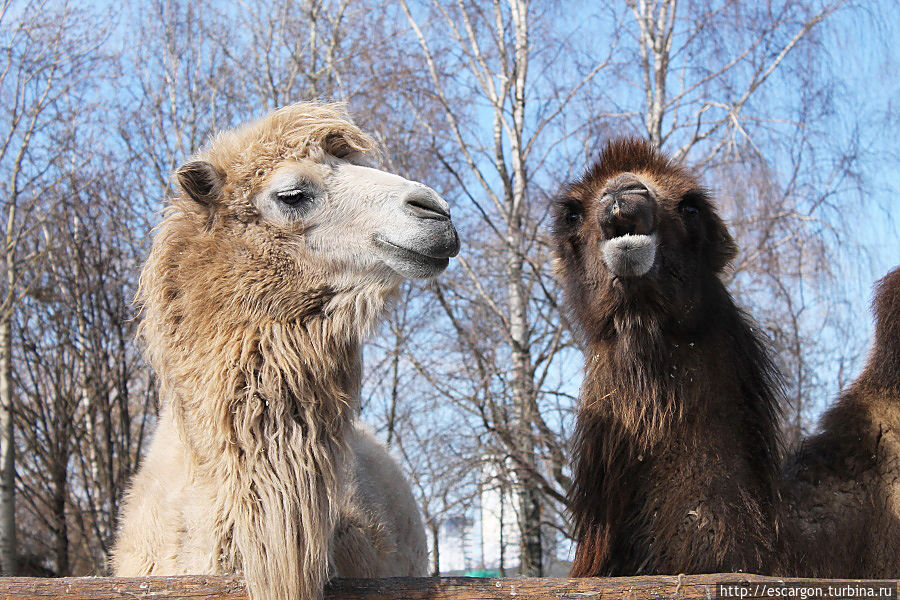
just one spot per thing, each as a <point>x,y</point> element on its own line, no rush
<point>482,573</point>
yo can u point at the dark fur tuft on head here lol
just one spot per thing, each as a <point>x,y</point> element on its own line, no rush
<point>624,155</point>
<point>618,156</point>
<point>636,154</point>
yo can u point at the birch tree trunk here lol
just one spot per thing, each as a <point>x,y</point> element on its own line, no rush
<point>7,454</point>
<point>656,21</point>
<point>517,294</point>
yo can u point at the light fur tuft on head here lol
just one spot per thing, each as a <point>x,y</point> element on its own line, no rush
<point>303,130</point>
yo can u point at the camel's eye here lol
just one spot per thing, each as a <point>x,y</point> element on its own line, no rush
<point>571,212</point>
<point>573,217</point>
<point>688,211</point>
<point>296,197</point>
<point>568,213</point>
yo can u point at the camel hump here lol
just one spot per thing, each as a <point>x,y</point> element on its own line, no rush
<point>884,358</point>
<point>886,307</point>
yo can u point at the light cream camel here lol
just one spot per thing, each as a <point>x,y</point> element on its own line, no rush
<point>273,263</point>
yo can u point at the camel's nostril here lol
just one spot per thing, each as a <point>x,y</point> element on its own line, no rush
<point>626,217</point>
<point>427,205</point>
<point>623,227</point>
<point>616,224</point>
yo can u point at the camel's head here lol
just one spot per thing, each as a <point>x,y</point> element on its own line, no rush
<point>637,235</point>
<point>291,201</point>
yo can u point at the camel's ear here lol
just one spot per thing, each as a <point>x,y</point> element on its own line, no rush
<point>721,247</point>
<point>201,181</point>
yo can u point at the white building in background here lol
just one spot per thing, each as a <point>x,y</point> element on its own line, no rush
<point>485,540</point>
<point>459,551</point>
<point>500,534</point>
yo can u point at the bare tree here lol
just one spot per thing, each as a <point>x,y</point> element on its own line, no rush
<point>742,91</point>
<point>84,394</point>
<point>734,49</point>
<point>49,53</point>
<point>501,309</point>
<point>181,90</point>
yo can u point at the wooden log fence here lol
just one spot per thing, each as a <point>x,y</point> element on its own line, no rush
<point>683,587</point>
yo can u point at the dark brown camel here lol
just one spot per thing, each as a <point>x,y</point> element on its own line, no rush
<point>677,446</point>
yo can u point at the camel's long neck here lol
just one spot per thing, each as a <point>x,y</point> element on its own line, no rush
<point>659,407</point>
<point>259,360</point>
<point>258,380</point>
<point>265,408</point>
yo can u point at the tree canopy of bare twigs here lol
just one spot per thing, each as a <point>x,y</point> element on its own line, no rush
<point>473,379</point>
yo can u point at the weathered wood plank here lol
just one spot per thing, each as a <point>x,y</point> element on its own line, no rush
<point>687,587</point>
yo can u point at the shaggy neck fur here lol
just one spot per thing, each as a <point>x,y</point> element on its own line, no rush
<point>676,442</point>
<point>262,390</point>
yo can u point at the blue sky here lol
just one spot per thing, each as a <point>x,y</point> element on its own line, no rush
<point>860,50</point>
<point>862,47</point>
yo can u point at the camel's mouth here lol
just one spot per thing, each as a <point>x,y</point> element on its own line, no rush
<point>411,263</point>
<point>629,255</point>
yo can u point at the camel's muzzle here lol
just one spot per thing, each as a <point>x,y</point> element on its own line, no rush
<point>630,255</point>
<point>627,218</point>
<point>423,239</point>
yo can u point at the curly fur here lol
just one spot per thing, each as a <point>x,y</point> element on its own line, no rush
<point>257,349</point>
